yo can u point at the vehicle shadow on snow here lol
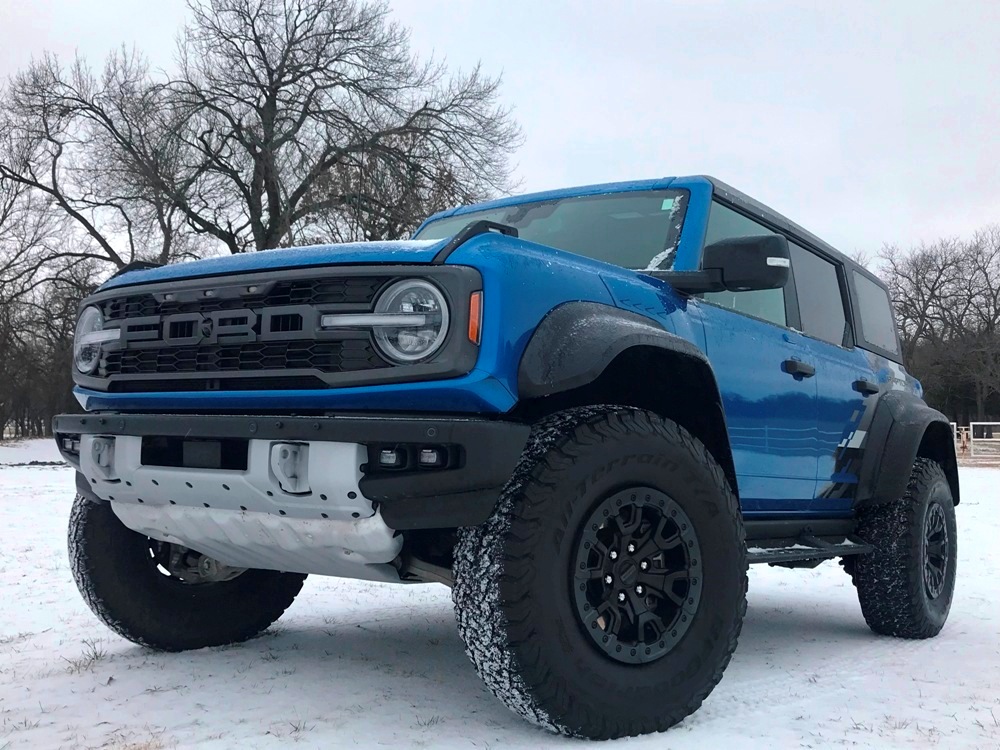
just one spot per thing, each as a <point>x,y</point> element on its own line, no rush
<point>409,661</point>
<point>792,619</point>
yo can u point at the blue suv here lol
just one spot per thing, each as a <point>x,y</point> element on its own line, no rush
<point>586,411</point>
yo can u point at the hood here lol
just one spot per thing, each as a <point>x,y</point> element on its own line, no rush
<point>409,251</point>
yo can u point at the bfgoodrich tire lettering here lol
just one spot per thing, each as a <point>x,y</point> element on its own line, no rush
<point>114,572</point>
<point>513,577</point>
<point>899,596</point>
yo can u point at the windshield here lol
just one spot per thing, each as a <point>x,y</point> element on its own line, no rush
<point>637,230</point>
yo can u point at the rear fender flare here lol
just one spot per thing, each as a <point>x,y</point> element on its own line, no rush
<point>903,428</point>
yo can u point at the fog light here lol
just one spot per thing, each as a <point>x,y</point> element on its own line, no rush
<point>431,457</point>
<point>390,458</point>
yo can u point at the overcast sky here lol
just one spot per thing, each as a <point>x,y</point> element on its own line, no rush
<point>865,122</point>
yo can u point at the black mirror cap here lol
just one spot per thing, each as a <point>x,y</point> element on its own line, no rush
<point>749,263</point>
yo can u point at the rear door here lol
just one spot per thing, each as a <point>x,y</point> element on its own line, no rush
<point>763,368</point>
<point>868,367</point>
<point>828,338</point>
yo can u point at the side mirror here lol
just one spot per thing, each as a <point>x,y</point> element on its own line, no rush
<point>737,264</point>
<point>749,262</point>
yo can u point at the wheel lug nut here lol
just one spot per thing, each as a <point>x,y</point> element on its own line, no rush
<point>621,596</point>
<point>613,555</point>
<point>631,547</point>
<point>608,579</point>
<point>638,589</point>
<point>643,565</point>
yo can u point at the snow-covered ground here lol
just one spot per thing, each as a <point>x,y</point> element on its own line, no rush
<point>28,452</point>
<point>357,664</point>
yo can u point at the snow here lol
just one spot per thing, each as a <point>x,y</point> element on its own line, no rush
<point>28,451</point>
<point>359,664</point>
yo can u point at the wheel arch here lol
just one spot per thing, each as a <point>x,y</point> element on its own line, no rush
<point>938,445</point>
<point>586,353</point>
<point>903,429</point>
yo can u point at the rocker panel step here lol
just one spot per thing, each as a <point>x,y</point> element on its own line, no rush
<point>806,548</point>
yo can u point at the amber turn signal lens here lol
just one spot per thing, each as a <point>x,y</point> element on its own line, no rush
<point>475,317</point>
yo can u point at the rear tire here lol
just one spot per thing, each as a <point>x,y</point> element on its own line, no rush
<point>906,585</point>
<point>120,582</point>
<point>606,477</point>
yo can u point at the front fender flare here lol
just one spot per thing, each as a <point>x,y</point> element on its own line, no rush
<point>577,340</point>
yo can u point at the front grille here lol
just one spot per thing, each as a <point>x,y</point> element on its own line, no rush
<point>326,356</point>
<point>358,290</point>
<point>226,352</point>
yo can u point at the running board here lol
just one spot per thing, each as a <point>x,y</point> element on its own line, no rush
<point>805,549</point>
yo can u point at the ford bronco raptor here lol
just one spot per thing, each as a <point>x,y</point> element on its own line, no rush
<point>585,410</point>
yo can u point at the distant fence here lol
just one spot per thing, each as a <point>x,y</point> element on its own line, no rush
<point>983,440</point>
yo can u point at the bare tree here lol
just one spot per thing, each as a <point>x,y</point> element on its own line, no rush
<point>299,109</point>
<point>947,299</point>
<point>288,120</point>
<point>61,136</point>
<point>926,285</point>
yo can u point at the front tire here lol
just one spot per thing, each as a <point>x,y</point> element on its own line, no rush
<point>119,579</point>
<point>555,641</point>
<point>906,585</point>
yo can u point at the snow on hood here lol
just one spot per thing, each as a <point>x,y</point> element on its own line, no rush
<point>410,251</point>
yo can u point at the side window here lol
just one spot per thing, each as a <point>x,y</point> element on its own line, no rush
<point>878,327</point>
<point>767,304</point>
<point>821,302</point>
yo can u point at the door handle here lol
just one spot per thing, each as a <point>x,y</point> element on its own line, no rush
<point>798,369</point>
<point>865,387</point>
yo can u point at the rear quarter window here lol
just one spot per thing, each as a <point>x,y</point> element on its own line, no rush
<point>878,327</point>
<point>821,301</point>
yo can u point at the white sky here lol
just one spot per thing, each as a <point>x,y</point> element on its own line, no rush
<point>865,122</point>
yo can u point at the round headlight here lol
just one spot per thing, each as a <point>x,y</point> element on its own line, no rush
<point>419,321</point>
<point>86,351</point>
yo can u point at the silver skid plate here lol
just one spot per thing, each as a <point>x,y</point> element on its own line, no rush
<point>247,518</point>
<point>360,548</point>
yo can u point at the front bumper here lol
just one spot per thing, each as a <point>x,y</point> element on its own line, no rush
<point>482,456</point>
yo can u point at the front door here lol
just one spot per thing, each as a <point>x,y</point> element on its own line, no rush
<point>769,396</point>
<point>765,372</point>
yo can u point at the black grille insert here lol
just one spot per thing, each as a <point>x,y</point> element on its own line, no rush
<point>347,355</point>
<point>347,290</point>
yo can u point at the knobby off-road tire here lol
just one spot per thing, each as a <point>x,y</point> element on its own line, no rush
<point>122,585</point>
<point>906,585</point>
<point>519,599</point>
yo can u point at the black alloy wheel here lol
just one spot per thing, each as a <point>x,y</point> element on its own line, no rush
<point>935,551</point>
<point>636,579</point>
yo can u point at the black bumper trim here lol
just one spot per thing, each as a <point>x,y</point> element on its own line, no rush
<point>423,499</point>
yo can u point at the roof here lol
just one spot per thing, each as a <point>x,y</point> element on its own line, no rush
<point>769,215</point>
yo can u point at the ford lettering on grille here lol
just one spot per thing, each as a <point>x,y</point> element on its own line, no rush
<point>220,327</point>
